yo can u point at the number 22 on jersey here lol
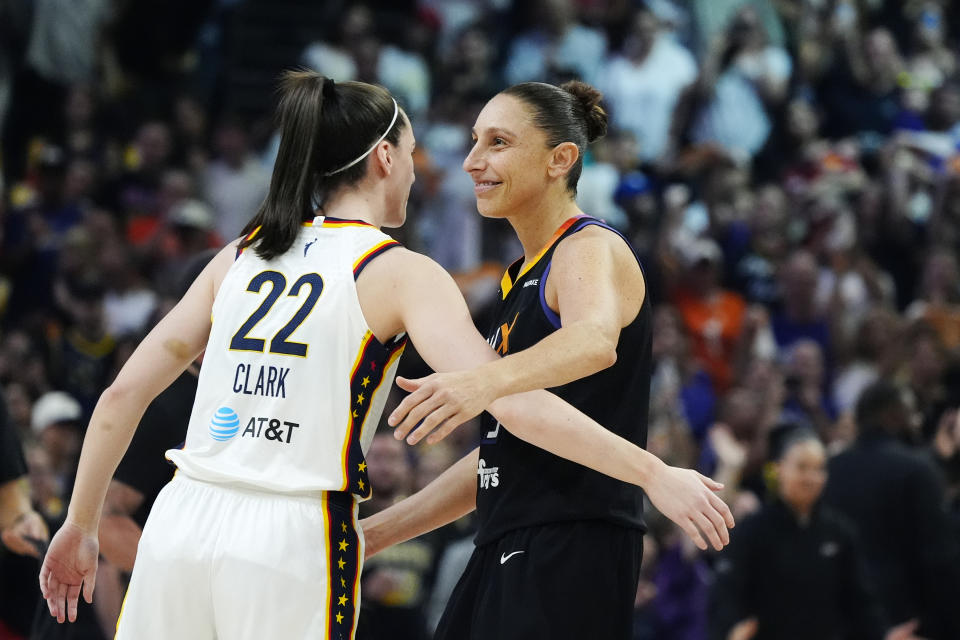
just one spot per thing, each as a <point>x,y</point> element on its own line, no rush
<point>279,344</point>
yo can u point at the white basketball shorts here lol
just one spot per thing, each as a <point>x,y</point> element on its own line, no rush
<point>218,562</point>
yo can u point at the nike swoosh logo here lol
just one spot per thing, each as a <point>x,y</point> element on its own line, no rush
<point>505,557</point>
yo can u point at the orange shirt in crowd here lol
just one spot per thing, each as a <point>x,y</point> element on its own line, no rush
<point>714,325</point>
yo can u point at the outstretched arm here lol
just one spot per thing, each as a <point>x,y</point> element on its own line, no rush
<point>170,347</point>
<point>451,495</point>
<point>427,304</point>
<point>597,288</point>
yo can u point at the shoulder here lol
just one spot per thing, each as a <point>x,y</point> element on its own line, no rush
<point>836,522</point>
<point>400,256</point>
<point>922,468</point>
<point>216,270</point>
<point>400,268</point>
<point>594,243</point>
<point>752,534</point>
<point>675,53</point>
<point>756,522</point>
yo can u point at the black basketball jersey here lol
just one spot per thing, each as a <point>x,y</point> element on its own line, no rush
<point>521,485</point>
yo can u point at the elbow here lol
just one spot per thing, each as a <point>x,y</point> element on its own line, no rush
<point>597,347</point>
<point>114,394</point>
<point>604,355</point>
<point>114,400</point>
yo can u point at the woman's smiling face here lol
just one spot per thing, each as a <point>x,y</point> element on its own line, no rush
<point>508,161</point>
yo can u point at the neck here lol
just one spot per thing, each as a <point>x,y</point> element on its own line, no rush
<point>356,204</point>
<point>536,225</point>
<point>802,513</point>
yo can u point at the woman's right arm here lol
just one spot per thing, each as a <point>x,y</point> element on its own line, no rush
<point>404,291</point>
<point>449,496</point>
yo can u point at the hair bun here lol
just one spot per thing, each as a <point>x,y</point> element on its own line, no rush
<point>589,98</point>
<point>329,88</point>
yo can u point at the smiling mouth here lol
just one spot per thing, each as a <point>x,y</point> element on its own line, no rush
<point>485,186</point>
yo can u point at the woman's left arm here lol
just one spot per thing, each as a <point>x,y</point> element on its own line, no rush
<point>71,560</point>
<point>596,287</point>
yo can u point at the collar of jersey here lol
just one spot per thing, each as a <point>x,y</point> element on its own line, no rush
<point>506,283</point>
<point>327,221</point>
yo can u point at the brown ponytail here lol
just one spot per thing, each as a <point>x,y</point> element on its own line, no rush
<point>323,125</point>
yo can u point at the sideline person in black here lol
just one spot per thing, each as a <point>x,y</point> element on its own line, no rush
<point>559,544</point>
<point>18,520</point>
<point>793,570</point>
<point>896,499</point>
<point>23,532</point>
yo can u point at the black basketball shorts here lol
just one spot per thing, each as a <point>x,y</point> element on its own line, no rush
<point>560,581</point>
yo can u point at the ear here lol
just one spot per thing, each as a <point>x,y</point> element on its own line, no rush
<point>562,159</point>
<point>383,155</point>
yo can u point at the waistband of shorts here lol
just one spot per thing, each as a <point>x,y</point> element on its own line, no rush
<point>341,499</point>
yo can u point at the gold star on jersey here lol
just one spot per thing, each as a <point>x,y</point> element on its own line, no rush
<point>373,361</point>
<point>344,558</point>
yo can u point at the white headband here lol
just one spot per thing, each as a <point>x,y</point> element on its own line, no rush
<point>396,112</point>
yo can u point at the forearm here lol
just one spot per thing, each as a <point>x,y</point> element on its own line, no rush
<point>546,421</point>
<point>119,538</point>
<point>567,354</point>
<point>114,420</point>
<point>14,502</point>
<point>450,496</point>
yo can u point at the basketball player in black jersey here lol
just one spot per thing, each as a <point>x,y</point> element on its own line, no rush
<point>559,545</point>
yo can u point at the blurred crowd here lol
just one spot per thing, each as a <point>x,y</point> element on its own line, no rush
<point>789,171</point>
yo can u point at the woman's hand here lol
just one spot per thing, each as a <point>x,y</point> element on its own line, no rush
<point>689,499</point>
<point>438,404</point>
<point>71,562</point>
<point>25,533</point>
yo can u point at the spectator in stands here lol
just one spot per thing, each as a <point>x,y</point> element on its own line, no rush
<point>895,499</point>
<point>81,357</point>
<point>795,557</point>
<point>557,46</point>
<point>808,399</point>
<point>55,423</point>
<point>235,182</point>
<point>744,81</point>
<point>643,83</point>
<point>799,316</point>
<point>713,316</point>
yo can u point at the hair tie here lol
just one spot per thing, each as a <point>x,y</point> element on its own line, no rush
<point>328,87</point>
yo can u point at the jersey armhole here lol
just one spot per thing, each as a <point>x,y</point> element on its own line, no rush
<point>552,316</point>
<point>368,256</point>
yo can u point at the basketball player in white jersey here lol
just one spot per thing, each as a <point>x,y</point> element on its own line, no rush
<point>302,321</point>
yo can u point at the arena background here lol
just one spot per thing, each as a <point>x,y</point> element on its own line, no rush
<point>789,170</point>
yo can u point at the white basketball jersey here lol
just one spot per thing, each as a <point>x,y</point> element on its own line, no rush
<point>293,382</point>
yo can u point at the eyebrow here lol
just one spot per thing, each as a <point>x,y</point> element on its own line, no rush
<point>506,132</point>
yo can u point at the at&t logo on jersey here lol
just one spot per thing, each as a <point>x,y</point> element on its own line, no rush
<point>270,429</point>
<point>488,477</point>
<point>225,424</point>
